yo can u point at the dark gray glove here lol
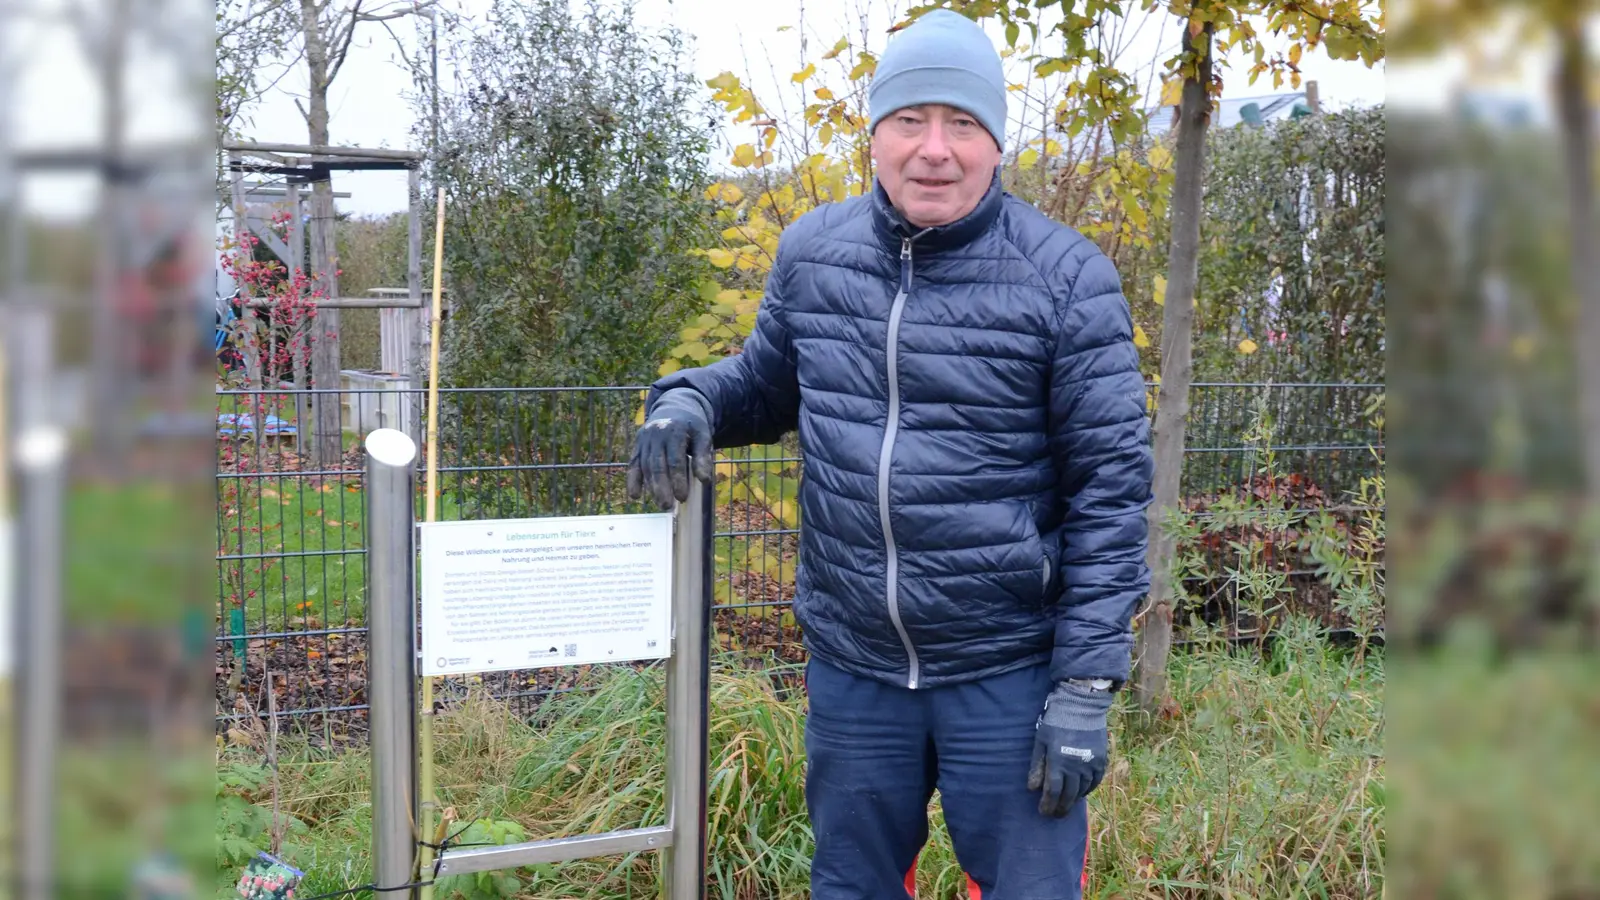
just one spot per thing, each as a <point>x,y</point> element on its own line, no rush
<point>1069,747</point>
<point>676,429</point>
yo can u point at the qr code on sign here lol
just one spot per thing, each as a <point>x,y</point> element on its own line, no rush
<point>572,650</point>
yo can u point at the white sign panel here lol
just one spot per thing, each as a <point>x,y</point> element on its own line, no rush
<point>537,593</point>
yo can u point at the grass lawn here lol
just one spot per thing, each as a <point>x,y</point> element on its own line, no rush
<point>294,548</point>
<point>1267,782</point>
<point>297,543</point>
<point>1494,774</point>
<point>132,551</point>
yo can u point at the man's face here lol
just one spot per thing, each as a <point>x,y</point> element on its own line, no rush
<point>934,161</point>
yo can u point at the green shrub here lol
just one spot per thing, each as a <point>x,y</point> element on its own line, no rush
<point>574,166</point>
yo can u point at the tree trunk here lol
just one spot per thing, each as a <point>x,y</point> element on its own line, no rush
<point>326,444</point>
<point>1577,136</point>
<point>116,359</point>
<point>1578,141</point>
<point>1177,324</point>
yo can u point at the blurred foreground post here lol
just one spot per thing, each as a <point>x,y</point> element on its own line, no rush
<point>40,453</point>
<point>37,449</point>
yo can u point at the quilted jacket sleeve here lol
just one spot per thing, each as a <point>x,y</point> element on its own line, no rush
<point>754,397</point>
<point>1099,436</point>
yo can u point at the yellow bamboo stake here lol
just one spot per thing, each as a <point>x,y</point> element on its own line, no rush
<point>430,513</point>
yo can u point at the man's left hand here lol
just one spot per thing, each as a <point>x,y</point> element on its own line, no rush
<point>1069,748</point>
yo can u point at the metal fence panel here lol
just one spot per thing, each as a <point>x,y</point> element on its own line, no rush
<point>292,536</point>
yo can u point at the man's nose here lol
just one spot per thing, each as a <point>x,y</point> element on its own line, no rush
<point>935,148</point>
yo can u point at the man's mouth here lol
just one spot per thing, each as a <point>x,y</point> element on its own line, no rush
<point>933,182</point>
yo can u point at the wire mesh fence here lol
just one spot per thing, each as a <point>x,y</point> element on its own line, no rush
<point>291,636</point>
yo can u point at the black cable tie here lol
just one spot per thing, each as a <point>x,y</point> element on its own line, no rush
<point>450,841</point>
<point>367,887</point>
<point>400,887</point>
<point>343,893</point>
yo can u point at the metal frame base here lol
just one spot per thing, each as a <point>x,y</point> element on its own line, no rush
<point>532,853</point>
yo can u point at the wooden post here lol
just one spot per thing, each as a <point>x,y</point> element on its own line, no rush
<point>326,427</point>
<point>254,365</point>
<point>297,236</point>
<point>1313,99</point>
<point>297,261</point>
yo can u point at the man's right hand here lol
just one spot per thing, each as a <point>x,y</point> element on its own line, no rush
<point>675,431</point>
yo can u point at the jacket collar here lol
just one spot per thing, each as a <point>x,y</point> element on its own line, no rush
<point>892,227</point>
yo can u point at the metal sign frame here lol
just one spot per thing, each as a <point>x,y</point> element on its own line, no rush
<point>392,671</point>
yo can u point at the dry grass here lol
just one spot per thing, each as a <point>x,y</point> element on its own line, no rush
<point>1266,783</point>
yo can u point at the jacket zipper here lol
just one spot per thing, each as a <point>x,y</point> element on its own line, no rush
<point>891,589</point>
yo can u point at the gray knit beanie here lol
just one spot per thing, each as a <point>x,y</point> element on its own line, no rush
<point>942,57</point>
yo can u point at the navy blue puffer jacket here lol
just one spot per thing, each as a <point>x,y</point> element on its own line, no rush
<point>975,444</point>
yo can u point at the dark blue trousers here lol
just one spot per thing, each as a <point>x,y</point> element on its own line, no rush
<point>875,754</point>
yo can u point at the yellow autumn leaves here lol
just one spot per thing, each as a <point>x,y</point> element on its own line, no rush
<point>746,155</point>
<point>1029,158</point>
<point>752,216</point>
<point>732,314</point>
<point>1158,293</point>
<point>757,221</point>
<point>829,151</point>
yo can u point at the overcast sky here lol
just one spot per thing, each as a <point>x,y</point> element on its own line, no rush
<point>368,108</point>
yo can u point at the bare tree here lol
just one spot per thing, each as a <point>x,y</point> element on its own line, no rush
<point>327,29</point>
<point>251,34</point>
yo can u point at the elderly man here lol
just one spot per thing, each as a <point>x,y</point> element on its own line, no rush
<point>962,373</point>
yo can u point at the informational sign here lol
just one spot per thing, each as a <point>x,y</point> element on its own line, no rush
<point>539,593</point>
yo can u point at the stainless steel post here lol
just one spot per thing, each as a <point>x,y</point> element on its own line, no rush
<point>688,677</point>
<point>40,457</point>
<point>391,671</point>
